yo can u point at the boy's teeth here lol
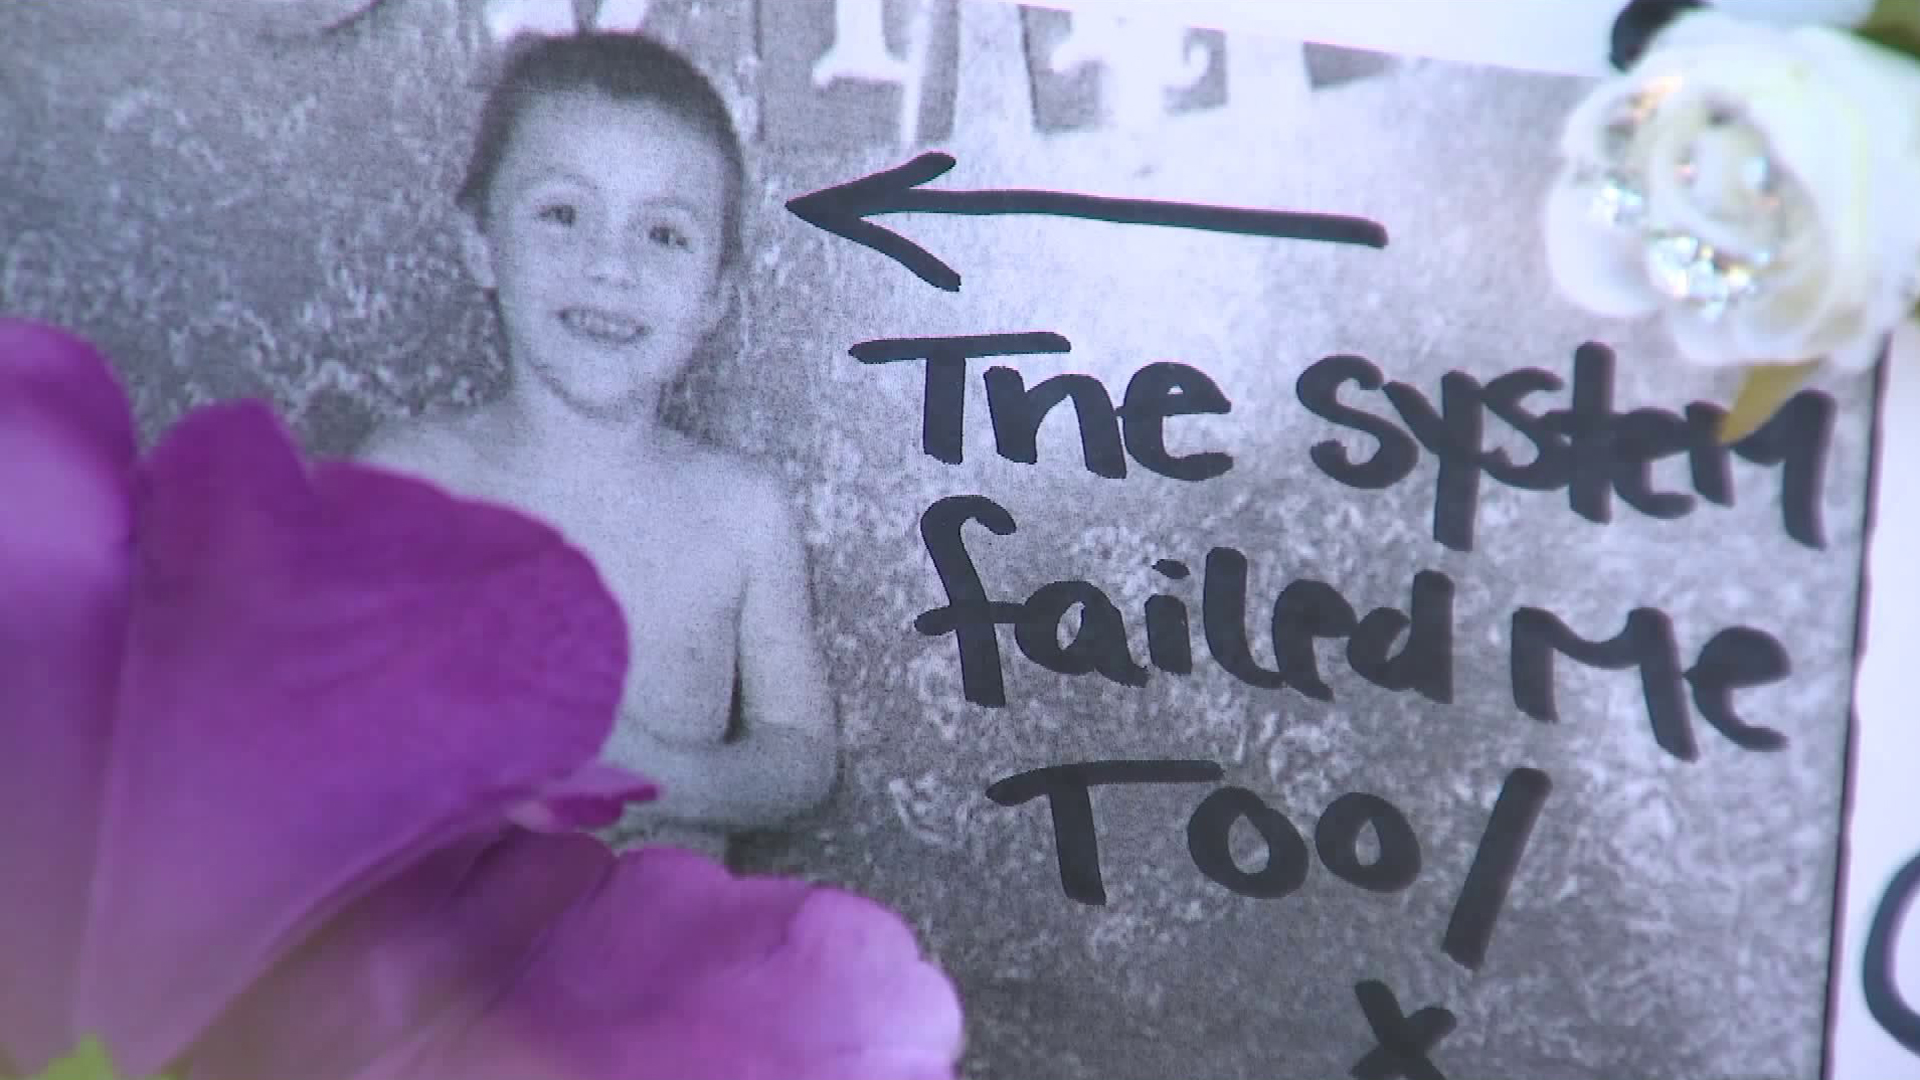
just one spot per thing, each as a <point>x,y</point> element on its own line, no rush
<point>600,325</point>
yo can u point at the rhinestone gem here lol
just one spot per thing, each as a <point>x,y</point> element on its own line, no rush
<point>1618,201</point>
<point>1690,270</point>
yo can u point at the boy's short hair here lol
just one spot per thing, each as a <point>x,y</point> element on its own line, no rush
<point>623,67</point>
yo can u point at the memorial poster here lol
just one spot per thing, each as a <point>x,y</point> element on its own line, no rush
<point>1267,633</point>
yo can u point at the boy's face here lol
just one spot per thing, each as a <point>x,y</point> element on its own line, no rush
<point>603,241</point>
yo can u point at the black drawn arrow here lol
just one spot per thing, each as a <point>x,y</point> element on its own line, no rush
<point>843,210</point>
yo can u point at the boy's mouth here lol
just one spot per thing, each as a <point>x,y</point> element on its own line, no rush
<point>603,327</point>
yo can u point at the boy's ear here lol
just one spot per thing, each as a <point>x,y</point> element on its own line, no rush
<point>477,252</point>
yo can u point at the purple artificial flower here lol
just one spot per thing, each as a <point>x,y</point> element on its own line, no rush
<point>288,756</point>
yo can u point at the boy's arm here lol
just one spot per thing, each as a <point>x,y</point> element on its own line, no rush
<point>785,759</point>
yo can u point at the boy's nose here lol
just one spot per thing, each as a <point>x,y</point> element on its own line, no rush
<point>611,259</point>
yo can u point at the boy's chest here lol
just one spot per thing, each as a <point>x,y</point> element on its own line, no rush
<point>679,579</point>
<point>673,563</point>
<point>666,551</point>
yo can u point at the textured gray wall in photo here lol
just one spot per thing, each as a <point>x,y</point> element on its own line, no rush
<point>235,218</point>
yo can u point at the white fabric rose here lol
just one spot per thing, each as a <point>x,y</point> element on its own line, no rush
<point>1757,185</point>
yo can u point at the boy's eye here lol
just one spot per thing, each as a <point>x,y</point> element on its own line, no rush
<point>559,214</point>
<point>668,235</point>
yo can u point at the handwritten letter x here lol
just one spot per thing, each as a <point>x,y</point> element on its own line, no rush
<point>1404,1041</point>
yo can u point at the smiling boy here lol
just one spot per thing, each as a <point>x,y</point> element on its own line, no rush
<point>603,214</point>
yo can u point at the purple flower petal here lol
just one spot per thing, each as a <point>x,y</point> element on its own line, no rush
<point>417,959</point>
<point>329,674</point>
<point>66,465</point>
<point>674,969</point>
<point>591,798</point>
<point>265,725</point>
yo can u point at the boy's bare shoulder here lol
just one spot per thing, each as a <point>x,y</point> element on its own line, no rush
<point>754,497</point>
<point>435,444</point>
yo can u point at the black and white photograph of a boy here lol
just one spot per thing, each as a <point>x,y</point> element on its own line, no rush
<point>601,213</point>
